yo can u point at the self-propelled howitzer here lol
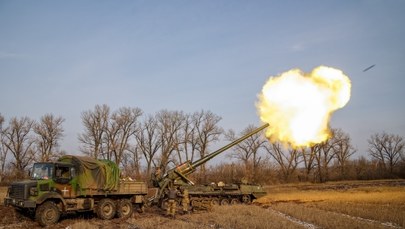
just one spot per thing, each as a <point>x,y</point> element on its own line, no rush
<point>178,175</point>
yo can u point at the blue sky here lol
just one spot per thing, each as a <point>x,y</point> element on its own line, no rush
<point>64,57</point>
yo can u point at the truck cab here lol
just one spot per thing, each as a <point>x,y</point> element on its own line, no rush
<point>58,177</point>
<point>46,179</point>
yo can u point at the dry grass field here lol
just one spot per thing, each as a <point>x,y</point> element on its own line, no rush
<point>371,204</point>
<point>375,204</point>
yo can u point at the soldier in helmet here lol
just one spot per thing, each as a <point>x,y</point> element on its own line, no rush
<point>171,203</point>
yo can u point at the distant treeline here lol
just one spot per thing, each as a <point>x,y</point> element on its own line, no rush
<point>140,142</point>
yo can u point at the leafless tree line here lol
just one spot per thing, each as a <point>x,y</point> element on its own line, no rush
<point>317,162</point>
<point>138,143</point>
<point>161,140</point>
<point>313,161</point>
<point>27,140</point>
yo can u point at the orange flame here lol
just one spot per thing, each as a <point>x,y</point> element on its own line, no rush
<point>298,106</point>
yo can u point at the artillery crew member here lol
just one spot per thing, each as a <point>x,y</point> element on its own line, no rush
<point>171,204</point>
<point>185,201</point>
<point>158,173</point>
<point>156,177</point>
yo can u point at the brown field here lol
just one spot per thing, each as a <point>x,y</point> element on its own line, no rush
<point>371,204</point>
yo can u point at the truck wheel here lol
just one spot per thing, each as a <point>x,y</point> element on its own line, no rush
<point>106,209</point>
<point>47,214</point>
<point>125,209</point>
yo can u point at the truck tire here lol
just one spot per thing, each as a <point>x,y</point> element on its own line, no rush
<point>124,209</point>
<point>106,209</point>
<point>47,214</point>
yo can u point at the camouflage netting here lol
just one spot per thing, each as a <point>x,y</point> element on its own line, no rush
<point>94,174</point>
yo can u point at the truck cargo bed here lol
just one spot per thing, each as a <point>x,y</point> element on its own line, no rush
<point>132,187</point>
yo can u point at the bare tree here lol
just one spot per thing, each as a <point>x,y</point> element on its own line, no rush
<point>95,124</point>
<point>3,157</point>
<point>131,162</point>
<point>17,139</point>
<point>3,150</point>
<point>49,131</point>
<point>1,121</point>
<point>188,144</point>
<point>123,124</point>
<point>287,158</point>
<point>169,127</point>
<point>387,149</point>
<point>365,169</point>
<point>148,141</point>
<point>228,173</point>
<point>343,151</point>
<point>248,150</point>
<point>207,132</point>
<point>325,152</point>
<point>308,157</point>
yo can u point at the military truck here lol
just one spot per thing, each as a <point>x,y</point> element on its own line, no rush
<point>213,194</point>
<point>76,184</point>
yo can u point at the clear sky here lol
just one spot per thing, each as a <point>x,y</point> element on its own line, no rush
<point>64,57</point>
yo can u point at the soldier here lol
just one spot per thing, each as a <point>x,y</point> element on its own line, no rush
<point>158,173</point>
<point>171,203</point>
<point>156,176</point>
<point>44,173</point>
<point>185,201</point>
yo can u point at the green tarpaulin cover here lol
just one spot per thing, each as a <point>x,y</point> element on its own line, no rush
<point>94,174</point>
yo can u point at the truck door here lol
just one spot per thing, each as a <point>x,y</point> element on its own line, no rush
<point>63,181</point>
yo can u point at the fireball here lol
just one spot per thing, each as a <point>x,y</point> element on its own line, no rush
<point>298,106</point>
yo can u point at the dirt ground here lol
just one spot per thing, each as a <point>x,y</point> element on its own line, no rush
<point>12,219</point>
<point>367,204</point>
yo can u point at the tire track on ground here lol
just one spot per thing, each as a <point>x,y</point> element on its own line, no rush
<point>371,221</point>
<point>309,225</point>
<point>293,219</point>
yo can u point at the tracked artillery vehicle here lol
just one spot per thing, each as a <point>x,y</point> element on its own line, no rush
<point>225,194</point>
<point>213,194</point>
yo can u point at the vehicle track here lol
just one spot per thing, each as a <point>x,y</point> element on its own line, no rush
<point>292,219</point>
<point>313,226</point>
<point>371,221</point>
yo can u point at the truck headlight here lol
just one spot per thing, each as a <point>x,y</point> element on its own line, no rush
<point>33,191</point>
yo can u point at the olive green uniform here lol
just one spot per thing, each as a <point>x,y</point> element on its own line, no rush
<point>185,201</point>
<point>171,203</point>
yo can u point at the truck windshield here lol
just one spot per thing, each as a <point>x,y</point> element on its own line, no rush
<point>42,171</point>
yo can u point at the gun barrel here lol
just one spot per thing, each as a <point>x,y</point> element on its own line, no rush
<point>237,141</point>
